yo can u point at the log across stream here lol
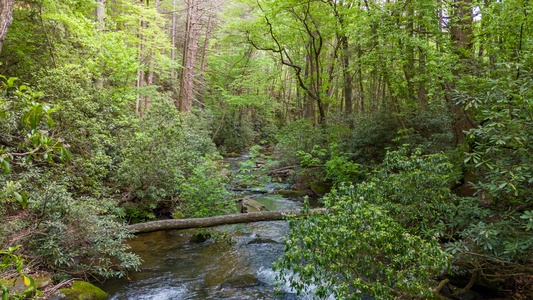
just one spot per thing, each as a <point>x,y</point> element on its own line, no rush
<point>217,221</point>
<point>176,267</point>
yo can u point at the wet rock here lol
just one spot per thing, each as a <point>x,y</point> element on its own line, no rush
<point>200,237</point>
<point>81,290</point>
<point>262,241</point>
<point>247,205</point>
<point>232,155</point>
<point>240,281</point>
<point>292,193</point>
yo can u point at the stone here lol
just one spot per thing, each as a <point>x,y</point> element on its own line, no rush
<point>262,241</point>
<point>81,290</point>
<point>250,205</point>
<point>200,237</point>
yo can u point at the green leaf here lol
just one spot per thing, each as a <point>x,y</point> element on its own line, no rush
<point>10,81</point>
<point>18,197</point>
<point>6,166</point>
<point>50,121</point>
<point>64,155</point>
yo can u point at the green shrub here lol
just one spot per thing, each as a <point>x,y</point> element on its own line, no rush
<point>379,237</point>
<point>298,137</point>
<point>429,130</point>
<point>170,164</point>
<point>359,249</point>
<point>371,135</point>
<point>235,130</point>
<point>60,231</point>
<point>339,168</point>
<point>75,236</point>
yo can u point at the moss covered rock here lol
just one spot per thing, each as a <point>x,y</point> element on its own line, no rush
<point>292,193</point>
<point>82,290</point>
<point>200,237</point>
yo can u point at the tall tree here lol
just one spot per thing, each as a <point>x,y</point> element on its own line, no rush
<point>190,55</point>
<point>461,29</point>
<point>6,18</point>
<point>300,35</point>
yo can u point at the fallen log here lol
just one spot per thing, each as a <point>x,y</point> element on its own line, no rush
<point>217,221</point>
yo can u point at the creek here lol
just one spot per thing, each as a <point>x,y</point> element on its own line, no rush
<point>176,268</point>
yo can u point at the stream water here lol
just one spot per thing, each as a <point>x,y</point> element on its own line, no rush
<point>175,268</point>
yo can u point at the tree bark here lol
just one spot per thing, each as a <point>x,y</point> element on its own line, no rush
<point>190,56</point>
<point>6,18</point>
<point>218,220</point>
<point>100,15</point>
<point>140,73</point>
<point>173,38</point>
<point>205,48</point>
<point>347,90</point>
<point>100,26</point>
<point>461,34</point>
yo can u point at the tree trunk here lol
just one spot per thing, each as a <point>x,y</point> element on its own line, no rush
<point>190,56</point>
<point>151,66</point>
<point>461,35</point>
<point>347,90</point>
<point>100,15</point>
<point>100,25</point>
<point>6,18</point>
<point>422,91</point>
<point>218,220</point>
<point>140,73</point>
<point>173,38</point>
<point>203,60</point>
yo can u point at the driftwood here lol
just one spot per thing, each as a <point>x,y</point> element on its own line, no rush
<point>216,221</point>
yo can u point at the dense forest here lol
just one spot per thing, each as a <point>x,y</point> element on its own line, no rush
<point>418,114</point>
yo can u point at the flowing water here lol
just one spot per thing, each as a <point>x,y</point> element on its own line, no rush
<point>175,268</point>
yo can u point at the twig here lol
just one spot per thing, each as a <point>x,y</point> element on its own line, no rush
<point>56,287</point>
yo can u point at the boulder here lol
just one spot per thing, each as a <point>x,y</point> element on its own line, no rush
<point>81,290</point>
<point>249,205</point>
